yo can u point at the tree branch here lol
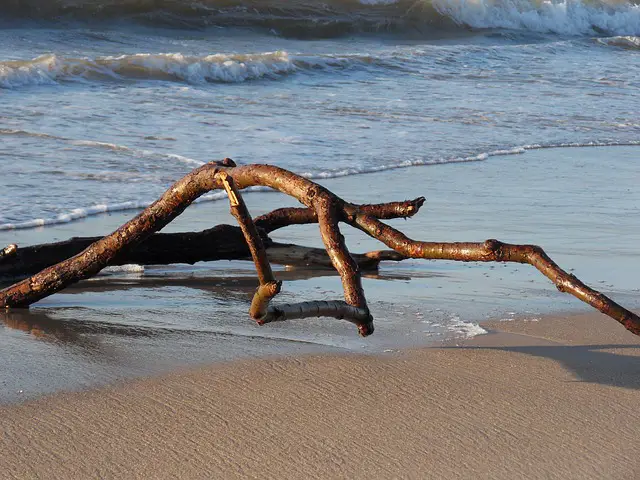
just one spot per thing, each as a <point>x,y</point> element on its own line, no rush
<point>284,217</point>
<point>496,251</point>
<point>269,287</point>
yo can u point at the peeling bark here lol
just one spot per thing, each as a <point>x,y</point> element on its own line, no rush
<point>321,206</point>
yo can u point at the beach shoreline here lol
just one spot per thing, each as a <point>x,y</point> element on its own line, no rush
<point>149,321</point>
<point>515,124</point>
<point>551,398</point>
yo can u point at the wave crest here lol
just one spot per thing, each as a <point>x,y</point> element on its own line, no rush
<point>51,69</point>
<point>330,18</point>
<point>628,42</point>
<point>568,17</point>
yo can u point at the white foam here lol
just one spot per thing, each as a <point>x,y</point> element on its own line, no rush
<point>91,143</point>
<point>51,69</point>
<point>569,17</point>
<point>625,41</point>
<point>75,214</point>
<point>129,268</point>
<point>465,329</point>
<point>80,213</point>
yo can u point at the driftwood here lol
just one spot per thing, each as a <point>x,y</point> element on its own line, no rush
<point>222,242</point>
<point>323,207</point>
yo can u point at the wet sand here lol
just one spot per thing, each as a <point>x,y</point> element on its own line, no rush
<point>554,398</point>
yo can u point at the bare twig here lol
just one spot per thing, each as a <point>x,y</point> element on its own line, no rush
<point>284,217</point>
<point>269,287</point>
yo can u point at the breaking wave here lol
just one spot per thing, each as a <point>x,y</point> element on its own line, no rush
<point>222,68</point>
<point>80,213</point>
<point>330,18</point>
<point>568,17</point>
<point>52,69</point>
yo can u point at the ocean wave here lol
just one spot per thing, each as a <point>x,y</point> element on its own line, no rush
<point>310,18</point>
<point>175,67</point>
<point>52,69</point>
<point>568,17</point>
<point>81,213</point>
<point>296,18</point>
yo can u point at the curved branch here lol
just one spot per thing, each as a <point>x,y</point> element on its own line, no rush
<point>495,251</point>
<point>284,217</point>
<point>155,217</point>
<point>327,209</point>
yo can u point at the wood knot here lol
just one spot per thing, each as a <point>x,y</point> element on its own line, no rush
<point>312,192</point>
<point>492,245</point>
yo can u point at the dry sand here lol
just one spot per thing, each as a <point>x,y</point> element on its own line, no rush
<point>557,398</point>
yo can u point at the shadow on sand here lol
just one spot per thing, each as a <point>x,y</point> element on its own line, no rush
<point>615,365</point>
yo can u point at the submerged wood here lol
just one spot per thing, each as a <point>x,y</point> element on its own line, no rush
<point>223,242</point>
<point>321,206</point>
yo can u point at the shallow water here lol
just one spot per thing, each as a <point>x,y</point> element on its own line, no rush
<point>101,110</point>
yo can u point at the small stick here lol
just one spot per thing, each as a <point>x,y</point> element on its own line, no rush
<point>269,287</point>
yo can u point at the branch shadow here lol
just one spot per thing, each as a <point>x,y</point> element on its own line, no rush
<point>588,363</point>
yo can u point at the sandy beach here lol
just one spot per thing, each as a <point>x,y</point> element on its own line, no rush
<point>159,373</point>
<point>554,398</point>
<point>516,122</point>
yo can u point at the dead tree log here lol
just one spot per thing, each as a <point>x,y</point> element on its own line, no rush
<point>322,206</point>
<point>222,242</point>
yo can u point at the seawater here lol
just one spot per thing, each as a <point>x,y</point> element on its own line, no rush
<point>104,104</point>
